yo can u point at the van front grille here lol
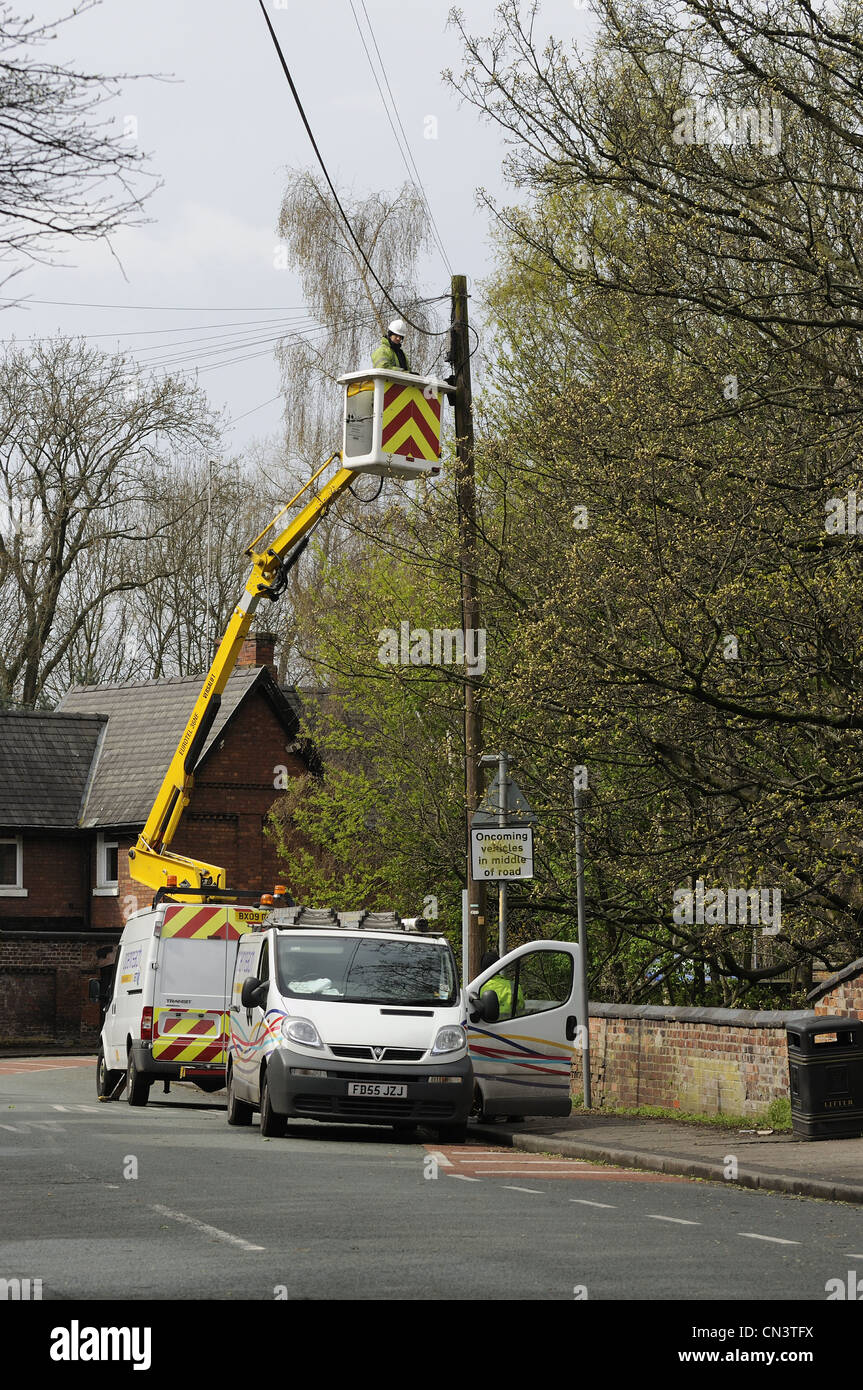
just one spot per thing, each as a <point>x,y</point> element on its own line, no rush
<point>372,1107</point>
<point>387,1054</point>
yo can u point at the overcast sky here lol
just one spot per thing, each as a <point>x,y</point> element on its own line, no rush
<point>221,133</point>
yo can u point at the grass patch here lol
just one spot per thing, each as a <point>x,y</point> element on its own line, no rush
<point>777,1115</point>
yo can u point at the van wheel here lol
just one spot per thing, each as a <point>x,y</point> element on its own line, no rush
<point>105,1080</point>
<point>273,1125</point>
<point>137,1086</point>
<point>239,1111</point>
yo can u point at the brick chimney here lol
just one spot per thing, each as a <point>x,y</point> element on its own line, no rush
<point>259,650</point>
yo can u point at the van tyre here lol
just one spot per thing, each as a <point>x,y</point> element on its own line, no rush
<point>105,1080</point>
<point>137,1086</point>
<point>273,1125</point>
<point>239,1111</point>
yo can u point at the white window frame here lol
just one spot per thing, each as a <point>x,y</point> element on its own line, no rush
<point>106,887</point>
<point>16,889</point>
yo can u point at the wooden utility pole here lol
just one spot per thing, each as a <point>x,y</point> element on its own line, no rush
<point>466,498</point>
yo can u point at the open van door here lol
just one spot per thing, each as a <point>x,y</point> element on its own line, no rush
<point>522,1062</point>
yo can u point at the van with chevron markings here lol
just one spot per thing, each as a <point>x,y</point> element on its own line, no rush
<point>167,1010</point>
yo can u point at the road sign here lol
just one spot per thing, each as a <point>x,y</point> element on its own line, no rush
<point>514,806</point>
<point>498,853</point>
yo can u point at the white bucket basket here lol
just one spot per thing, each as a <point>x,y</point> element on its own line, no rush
<point>392,423</point>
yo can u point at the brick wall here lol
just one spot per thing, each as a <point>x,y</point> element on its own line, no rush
<point>44,979</point>
<point>698,1061</point>
<point>845,999</point>
<point>55,877</point>
<point>234,791</point>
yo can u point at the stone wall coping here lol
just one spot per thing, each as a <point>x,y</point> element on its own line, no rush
<point>722,1018</point>
<point>849,973</point>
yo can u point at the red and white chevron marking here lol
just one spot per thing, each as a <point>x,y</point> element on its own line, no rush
<point>472,1161</point>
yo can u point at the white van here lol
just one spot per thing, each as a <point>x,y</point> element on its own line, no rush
<point>166,1016</point>
<point>369,1024</point>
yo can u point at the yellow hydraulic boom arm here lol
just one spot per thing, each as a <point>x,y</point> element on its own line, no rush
<point>150,861</point>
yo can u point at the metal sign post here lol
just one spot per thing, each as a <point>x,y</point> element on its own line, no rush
<point>503,779</point>
<point>506,852</point>
<point>583,1004</point>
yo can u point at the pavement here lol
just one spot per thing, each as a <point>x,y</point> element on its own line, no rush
<point>777,1162</point>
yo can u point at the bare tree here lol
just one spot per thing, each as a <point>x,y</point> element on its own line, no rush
<point>84,450</point>
<point>344,299</point>
<point>63,172</point>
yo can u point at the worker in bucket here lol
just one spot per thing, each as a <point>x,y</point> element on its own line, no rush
<point>389,353</point>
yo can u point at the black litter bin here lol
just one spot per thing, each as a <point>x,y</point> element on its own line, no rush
<point>825,1064</point>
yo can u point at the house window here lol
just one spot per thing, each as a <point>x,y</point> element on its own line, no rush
<point>12,867</point>
<point>107,866</point>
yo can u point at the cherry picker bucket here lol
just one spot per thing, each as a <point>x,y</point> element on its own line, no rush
<point>392,423</point>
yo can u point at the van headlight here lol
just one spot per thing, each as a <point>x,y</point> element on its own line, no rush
<point>301,1030</point>
<point>449,1039</point>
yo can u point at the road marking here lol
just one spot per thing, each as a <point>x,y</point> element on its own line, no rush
<point>496,1163</point>
<point>777,1240</point>
<point>78,1109</point>
<point>463,1177</point>
<point>441,1158</point>
<point>536,1190</point>
<point>205,1229</point>
<point>20,1066</point>
<point>27,1125</point>
<point>678,1220</point>
<point>583,1202</point>
<point>852,1255</point>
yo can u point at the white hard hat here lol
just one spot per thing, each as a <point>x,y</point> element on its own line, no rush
<point>398,326</point>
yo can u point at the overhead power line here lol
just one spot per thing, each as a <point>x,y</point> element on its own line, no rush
<point>239,325</point>
<point>330,183</point>
<point>402,144</point>
<point>161,308</point>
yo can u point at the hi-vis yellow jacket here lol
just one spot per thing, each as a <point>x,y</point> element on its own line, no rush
<point>384,356</point>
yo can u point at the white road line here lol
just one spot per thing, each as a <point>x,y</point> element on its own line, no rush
<point>463,1178</point>
<point>852,1255</point>
<point>583,1202</point>
<point>537,1190</point>
<point>518,1162</point>
<point>777,1240</point>
<point>678,1220</point>
<point>205,1229</point>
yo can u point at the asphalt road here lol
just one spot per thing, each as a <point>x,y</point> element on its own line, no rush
<point>102,1201</point>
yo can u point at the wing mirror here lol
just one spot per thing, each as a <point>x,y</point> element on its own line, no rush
<point>254,993</point>
<point>486,1007</point>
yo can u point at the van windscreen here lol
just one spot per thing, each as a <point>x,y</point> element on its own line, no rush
<point>366,972</point>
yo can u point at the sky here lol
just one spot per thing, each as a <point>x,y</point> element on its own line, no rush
<point>221,128</point>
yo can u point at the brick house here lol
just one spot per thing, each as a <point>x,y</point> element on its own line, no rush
<point>76,786</point>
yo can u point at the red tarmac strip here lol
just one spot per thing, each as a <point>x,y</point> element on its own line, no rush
<point>15,1066</point>
<point>475,1162</point>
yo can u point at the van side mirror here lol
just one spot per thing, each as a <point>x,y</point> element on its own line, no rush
<point>485,1007</point>
<point>489,1006</point>
<point>249,996</point>
<point>94,991</point>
